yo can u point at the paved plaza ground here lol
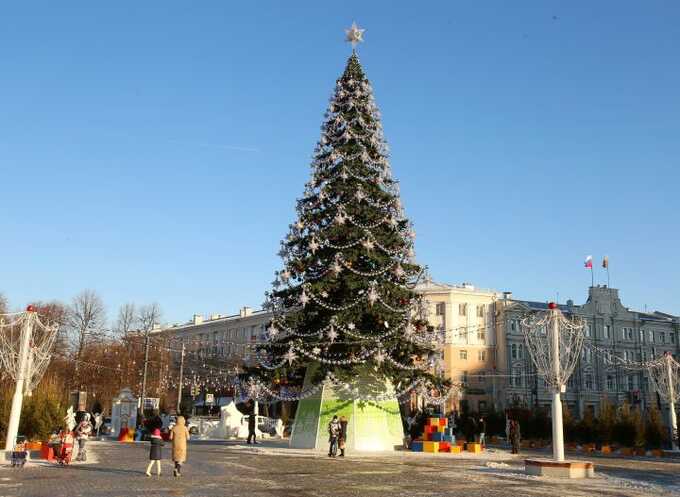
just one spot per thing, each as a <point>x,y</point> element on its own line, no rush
<point>271,470</point>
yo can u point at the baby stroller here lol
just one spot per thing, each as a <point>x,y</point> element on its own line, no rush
<point>63,448</point>
<point>19,455</point>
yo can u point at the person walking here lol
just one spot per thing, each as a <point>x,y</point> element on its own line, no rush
<point>179,436</point>
<point>83,431</point>
<point>507,426</point>
<point>252,422</point>
<point>333,434</point>
<point>155,451</point>
<point>342,437</point>
<point>481,426</point>
<point>514,436</point>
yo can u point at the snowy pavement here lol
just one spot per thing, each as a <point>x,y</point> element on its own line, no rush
<point>270,469</point>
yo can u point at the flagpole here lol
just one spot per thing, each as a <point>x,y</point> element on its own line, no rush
<point>592,276</point>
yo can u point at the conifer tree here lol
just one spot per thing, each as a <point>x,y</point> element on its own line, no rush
<point>344,301</point>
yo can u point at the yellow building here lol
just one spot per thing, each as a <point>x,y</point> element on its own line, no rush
<point>466,314</point>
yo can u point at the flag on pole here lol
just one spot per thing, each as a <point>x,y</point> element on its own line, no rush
<point>589,262</point>
<point>605,262</point>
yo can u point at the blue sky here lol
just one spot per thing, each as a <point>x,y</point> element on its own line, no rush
<point>154,152</point>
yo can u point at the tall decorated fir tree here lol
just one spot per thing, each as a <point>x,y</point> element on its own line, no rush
<point>344,304</point>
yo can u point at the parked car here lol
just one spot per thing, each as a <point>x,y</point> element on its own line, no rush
<point>191,425</point>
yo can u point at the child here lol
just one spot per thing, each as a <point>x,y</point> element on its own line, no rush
<point>155,451</point>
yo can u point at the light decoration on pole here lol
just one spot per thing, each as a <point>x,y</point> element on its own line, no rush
<point>665,376</point>
<point>554,343</point>
<point>25,352</point>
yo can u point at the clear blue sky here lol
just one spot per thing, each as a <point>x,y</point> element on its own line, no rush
<point>154,152</point>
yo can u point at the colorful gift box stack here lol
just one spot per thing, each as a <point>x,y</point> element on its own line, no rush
<point>437,437</point>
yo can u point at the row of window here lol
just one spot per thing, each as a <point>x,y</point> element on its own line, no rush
<point>627,333</point>
<point>463,355</point>
<point>440,309</point>
<point>630,382</point>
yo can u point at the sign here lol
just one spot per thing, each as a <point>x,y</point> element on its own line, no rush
<point>151,403</point>
<point>209,398</point>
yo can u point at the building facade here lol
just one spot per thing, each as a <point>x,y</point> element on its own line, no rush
<point>611,329</point>
<point>229,339</point>
<point>484,348</point>
<point>466,317</point>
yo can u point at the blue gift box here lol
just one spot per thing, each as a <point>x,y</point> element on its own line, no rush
<point>438,437</point>
<point>417,446</point>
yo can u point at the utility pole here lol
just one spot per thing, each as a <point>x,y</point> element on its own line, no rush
<point>557,431</point>
<point>146,367</point>
<point>181,380</point>
<point>671,402</point>
<point>17,400</point>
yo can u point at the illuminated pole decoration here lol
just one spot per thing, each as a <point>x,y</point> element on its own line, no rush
<point>554,343</point>
<point>665,376</point>
<point>25,356</point>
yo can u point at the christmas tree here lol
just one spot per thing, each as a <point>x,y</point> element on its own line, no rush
<point>344,304</point>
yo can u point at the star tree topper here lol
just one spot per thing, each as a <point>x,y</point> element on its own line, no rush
<point>354,35</point>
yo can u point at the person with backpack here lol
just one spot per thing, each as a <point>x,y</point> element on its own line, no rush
<point>155,451</point>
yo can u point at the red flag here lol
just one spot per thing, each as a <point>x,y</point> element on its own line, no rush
<point>589,262</point>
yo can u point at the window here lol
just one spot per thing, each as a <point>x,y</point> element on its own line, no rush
<point>481,355</point>
<point>482,405</point>
<point>481,335</point>
<point>610,382</point>
<point>672,335</point>
<point>480,311</point>
<point>587,355</point>
<point>462,309</point>
<point>465,377</point>
<point>608,331</point>
<point>462,355</point>
<point>629,334</point>
<point>516,351</point>
<point>642,335</point>
<point>631,383</point>
<point>570,382</point>
<point>589,381</point>
<point>516,379</point>
<point>651,336</point>
<point>589,330</point>
<point>440,309</point>
<point>662,337</point>
<point>513,325</point>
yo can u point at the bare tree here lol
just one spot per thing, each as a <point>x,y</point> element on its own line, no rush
<point>86,320</point>
<point>3,304</point>
<point>127,320</point>
<point>149,316</point>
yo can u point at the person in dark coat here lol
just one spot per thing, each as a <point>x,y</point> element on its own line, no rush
<point>481,429</point>
<point>342,438</point>
<point>252,422</point>
<point>155,451</point>
<point>514,436</point>
<point>333,434</point>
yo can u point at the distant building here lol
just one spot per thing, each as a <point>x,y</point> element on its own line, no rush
<point>230,339</point>
<point>611,328</point>
<point>466,317</point>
